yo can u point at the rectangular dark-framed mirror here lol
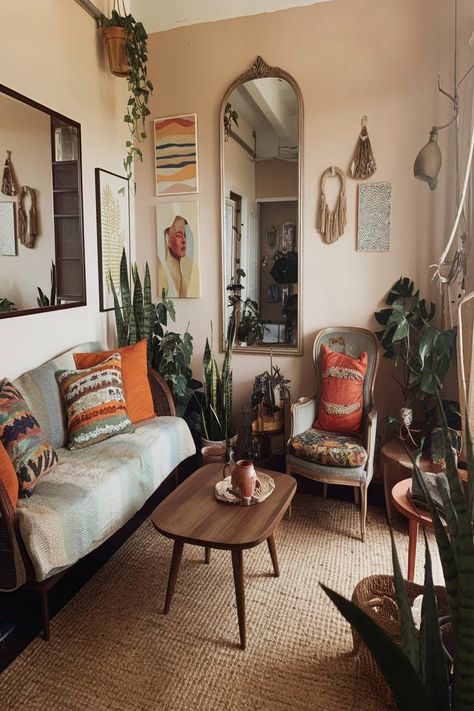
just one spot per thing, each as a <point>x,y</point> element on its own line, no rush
<point>261,151</point>
<point>41,210</point>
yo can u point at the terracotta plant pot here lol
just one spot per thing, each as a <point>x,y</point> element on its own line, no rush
<point>114,38</point>
<point>214,454</point>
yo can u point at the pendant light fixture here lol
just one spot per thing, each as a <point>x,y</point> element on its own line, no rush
<point>428,161</point>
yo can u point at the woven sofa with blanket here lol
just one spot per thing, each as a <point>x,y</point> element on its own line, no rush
<point>90,488</point>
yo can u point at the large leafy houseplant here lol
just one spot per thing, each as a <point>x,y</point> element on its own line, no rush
<point>250,327</point>
<point>420,672</point>
<point>139,86</point>
<point>138,317</point>
<point>421,353</point>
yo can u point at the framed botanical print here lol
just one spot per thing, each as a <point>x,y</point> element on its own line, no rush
<point>113,231</point>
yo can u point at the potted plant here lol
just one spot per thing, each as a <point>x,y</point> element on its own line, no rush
<point>138,317</point>
<point>6,305</point>
<point>421,353</point>
<point>433,667</point>
<point>126,42</point>
<point>230,115</point>
<point>250,327</point>
<point>269,416</point>
<point>216,402</point>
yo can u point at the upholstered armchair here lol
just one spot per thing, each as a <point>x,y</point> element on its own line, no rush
<point>329,456</point>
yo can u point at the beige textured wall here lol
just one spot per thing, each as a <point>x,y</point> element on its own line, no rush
<point>52,52</point>
<point>350,58</point>
<point>276,178</point>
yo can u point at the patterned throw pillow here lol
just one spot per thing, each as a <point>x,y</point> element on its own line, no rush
<point>341,401</point>
<point>136,387</point>
<point>31,455</point>
<point>95,403</point>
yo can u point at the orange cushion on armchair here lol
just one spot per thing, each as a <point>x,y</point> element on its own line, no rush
<point>341,401</point>
<point>136,387</point>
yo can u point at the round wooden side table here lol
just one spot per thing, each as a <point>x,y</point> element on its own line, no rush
<point>396,466</point>
<point>402,502</point>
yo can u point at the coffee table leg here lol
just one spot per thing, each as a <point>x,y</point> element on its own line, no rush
<point>174,568</point>
<point>207,555</point>
<point>412,541</point>
<point>238,567</point>
<point>273,554</point>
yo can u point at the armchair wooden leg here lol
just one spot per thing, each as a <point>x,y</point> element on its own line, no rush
<point>363,509</point>
<point>325,491</point>
<point>356,495</point>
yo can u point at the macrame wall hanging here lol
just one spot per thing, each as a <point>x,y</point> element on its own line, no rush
<point>27,227</point>
<point>363,164</point>
<point>8,183</point>
<point>330,223</point>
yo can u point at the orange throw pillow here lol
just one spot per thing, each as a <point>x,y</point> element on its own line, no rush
<point>136,387</point>
<point>8,476</point>
<point>341,401</point>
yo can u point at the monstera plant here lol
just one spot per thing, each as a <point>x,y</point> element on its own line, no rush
<point>421,353</point>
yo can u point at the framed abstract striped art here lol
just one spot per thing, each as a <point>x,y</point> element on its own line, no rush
<point>176,164</point>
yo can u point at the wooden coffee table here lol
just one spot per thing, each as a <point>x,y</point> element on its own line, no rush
<point>192,514</point>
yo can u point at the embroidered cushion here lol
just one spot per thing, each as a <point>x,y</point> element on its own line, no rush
<point>8,476</point>
<point>330,450</point>
<point>341,401</point>
<point>136,387</point>
<point>95,402</point>
<point>20,434</point>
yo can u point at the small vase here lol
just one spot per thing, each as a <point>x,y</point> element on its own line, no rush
<point>244,479</point>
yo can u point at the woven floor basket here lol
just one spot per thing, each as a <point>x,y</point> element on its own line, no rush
<point>376,596</point>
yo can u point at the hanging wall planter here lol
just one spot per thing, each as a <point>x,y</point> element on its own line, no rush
<point>126,41</point>
<point>114,38</point>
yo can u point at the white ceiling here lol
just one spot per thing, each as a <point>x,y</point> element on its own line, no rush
<point>159,15</point>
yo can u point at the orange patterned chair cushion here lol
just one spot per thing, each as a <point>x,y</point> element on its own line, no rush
<point>341,401</point>
<point>328,449</point>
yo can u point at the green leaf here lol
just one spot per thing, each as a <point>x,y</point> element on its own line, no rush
<point>434,668</point>
<point>407,687</point>
<point>408,634</point>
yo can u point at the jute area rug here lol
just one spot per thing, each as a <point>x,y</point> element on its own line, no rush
<point>112,648</point>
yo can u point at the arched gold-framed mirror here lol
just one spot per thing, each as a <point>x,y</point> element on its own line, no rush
<point>261,160</point>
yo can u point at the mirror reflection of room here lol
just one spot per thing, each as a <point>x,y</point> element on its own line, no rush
<point>41,251</point>
<point>261,209</point>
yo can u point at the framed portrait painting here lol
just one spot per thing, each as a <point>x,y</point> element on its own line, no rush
<point>177,225</point>
<point>176,161</point>
<point>113,231</point>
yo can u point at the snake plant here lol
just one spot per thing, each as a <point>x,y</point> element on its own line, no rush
<point>134,318</point>
<point>420,673</point>
<point>216,408</point>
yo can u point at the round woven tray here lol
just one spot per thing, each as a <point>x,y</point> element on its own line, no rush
<point>263,489</point>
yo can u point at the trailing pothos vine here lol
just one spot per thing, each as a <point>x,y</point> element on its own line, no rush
<point>139,86</point>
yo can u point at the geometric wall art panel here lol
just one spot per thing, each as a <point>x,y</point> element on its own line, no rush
<point>374,217</point>
<point>176,166</point>
<point>7,229</point>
